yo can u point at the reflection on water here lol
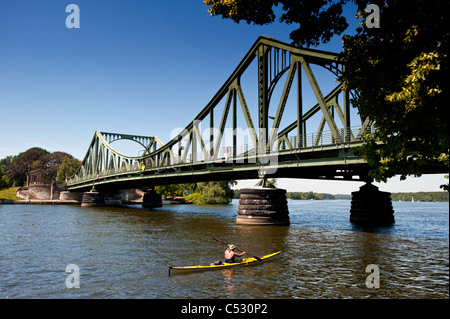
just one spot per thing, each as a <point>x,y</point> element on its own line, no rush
<point>229,286</point>
<point>126,252</point>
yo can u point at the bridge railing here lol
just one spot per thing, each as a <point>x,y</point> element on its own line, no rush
<point>308,141</point>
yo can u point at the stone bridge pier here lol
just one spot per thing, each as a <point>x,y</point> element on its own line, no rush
<point>371,207</point>
<point>260,205</point>
<point>96,198</point>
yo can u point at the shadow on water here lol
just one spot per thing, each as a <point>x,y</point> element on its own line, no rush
<point>386,230</point>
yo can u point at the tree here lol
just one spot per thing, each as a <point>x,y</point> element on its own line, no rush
<point>406,94</point>
<point>4,180</point>
<point>174,190</point>
<point>17,167</point>
<point>53,161</point>
<point>68,167</point>
<point>318,20</point>
<point>200,193</point>
<point>170,191</point>
<point>216,192</point>
<point>398,71</point>
<point>21,165</point>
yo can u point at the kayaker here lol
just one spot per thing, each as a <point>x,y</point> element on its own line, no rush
<point>230,254</point>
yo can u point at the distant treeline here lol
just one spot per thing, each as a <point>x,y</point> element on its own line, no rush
<point>306,196</point>
<point>421,197</point>
<point>315,196</point>
<point>404,197</point>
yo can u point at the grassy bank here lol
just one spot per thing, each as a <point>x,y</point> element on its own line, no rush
<point>9,194</point>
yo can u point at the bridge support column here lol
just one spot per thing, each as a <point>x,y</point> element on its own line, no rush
<point>263,206</point>
<point>371,207</point>
<point>152,199</point>
<point>66,195</point>
<point>92,199</point>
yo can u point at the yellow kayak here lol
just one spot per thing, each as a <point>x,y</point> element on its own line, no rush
<point>244,262</point>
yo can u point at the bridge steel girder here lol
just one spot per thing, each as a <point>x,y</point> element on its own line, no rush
<point>103,165</point>
<point>326,162</point>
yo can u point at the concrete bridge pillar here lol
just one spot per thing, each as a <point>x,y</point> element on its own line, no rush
<point>92,199</point>
<point>263,206</point>
<point>66,195</point>
<point>371,207</point>
<point>152,199</point>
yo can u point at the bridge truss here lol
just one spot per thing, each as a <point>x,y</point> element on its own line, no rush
<point>228,150</point>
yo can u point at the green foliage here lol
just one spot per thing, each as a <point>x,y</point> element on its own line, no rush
<point>271,183</point>
<point>174,190</point>
<point>405,197</point>
<point>14,169</point>
<point>406,94</point>
<point>67,168</point>
<point>317,21</point>
<point>216,192</point>
<point>21,164</point>
<point>309,196</point>
<point>53,161</point>
<point>4,180</point>
<point>200,193</point>
<point>195,198</point>
<point>170,191</point>
<point>421,197</point>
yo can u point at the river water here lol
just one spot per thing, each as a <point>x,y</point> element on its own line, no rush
<point>125,252</point>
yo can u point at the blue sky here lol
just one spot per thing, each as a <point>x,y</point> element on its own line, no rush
<point>133,66</point>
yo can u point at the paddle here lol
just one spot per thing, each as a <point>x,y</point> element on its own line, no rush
<point>224,243</point>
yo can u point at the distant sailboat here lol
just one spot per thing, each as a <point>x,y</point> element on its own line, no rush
<point>412,199</point>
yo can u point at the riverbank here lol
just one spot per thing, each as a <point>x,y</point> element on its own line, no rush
<point>38,202</point>
<point>53,202</point>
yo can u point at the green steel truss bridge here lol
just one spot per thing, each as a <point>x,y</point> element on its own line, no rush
<point>232,138</point>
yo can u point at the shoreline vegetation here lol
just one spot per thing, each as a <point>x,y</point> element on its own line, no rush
<point>9,195</point>
<point>395,197</point>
